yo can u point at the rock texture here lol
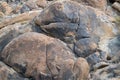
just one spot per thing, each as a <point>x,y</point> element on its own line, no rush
<point>116,5</point>
<point>71,22</point>
<point>59,39</point>
<point>5,8</point>
<point>7,73</point>
<point>41,57</point>
<point>100,4</point>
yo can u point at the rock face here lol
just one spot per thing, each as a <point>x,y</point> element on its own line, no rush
<point>11,31</point>
<point>71,22</point>
<point>111,72</point>
<point>59,39</point>
<point>33,4</point>
<point>100,4</point>
<point>7,73</point>
<point>45,58</point>
<point>5,8</point>
<point>85,47</point>
<point>116,5</point>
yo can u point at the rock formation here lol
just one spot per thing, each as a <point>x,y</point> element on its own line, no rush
<point>59,39</point>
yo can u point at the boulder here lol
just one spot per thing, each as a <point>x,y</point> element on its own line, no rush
<point>41,3</point>
<point>5,8</point>
<point>81,62</point>
<point>84,47</point>
<point>77,25</point>
<point>33,5</point>
<point>100,4</point>
<point>44,58</point>
<point>1,14</point>
<point>97,59</point>
<point>7,73</point>
<point>11,31</point>
<point>19,18</point>
<point>111,72</point>
<point>116,5</point>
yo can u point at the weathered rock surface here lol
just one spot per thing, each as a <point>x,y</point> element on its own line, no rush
<point>19,18</point>
<point>111,72</point>
<point>85,47</point>
<point>7,73</point>
<point>11,31</point>
<point>5,8</point>
<point>71,22</point>
<point>116,5</point>
<point>41,3</point>
<point>33,5</point>
<point>95,58</point>
<point>100,4</point>
<point>44,58</point>
<point>88,28</point>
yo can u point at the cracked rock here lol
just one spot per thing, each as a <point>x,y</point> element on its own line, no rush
<point>7,73</point>
<point>44,58</point>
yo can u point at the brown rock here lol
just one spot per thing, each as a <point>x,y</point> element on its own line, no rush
<point>6,8</point>
<point>81,67</point>
<point>11,31</point>
<point>41,3</point>
<point>81,26</point>
<point>44,58</point>
<point>1,14</point>
<point>7,73</point>
<point>29,51</point>
<point>19,18</point>
<point>116,5</point>
<point>34,4</point>
<point>31,4</point>
<point>100,4</point>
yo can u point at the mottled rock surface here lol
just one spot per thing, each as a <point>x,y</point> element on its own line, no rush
<point>7,73</point>
<point>100,4</point>
<point>42,57</point>
<point>71,22</point>
<point>59,39</point>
